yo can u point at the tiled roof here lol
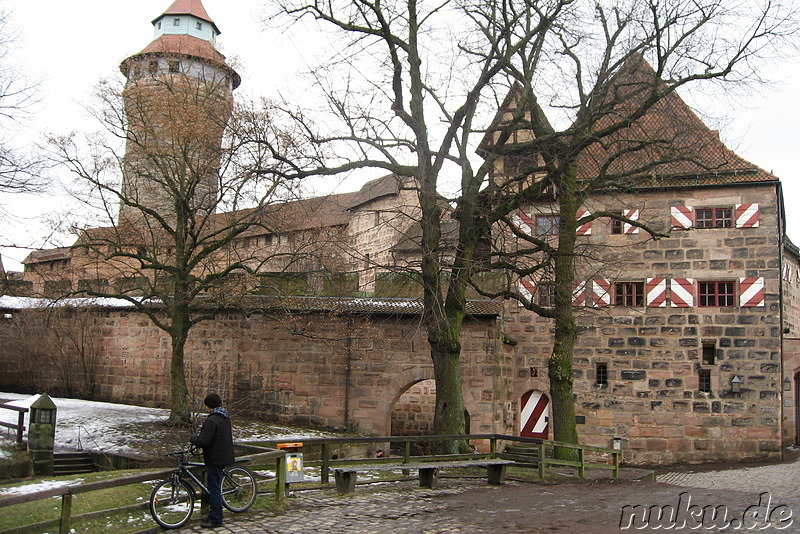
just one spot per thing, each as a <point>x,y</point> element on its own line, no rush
<point>669,146</point>
<point>375,189</point>
<point>186,45</point>
<point>188,7</point>
<point>397,306</point>
<point>38,256</point>
<point>475,308</point>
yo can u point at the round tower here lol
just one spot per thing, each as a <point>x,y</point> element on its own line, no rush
<point>178,98</point>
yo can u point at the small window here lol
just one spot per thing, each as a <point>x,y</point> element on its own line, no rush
<point>153,67</point>
<point>716,294</point>
<point>546,294</point>
<point>709,352</point>
<point>601,374</point>
<point>713,218</point>
<point>704,376</point>
<point>159,25</point>
<point>176,22</point>
<point>547,224</point>
<point>199,25</point>
<point>616,226</point>
<point>174,66</point>
<point>629,293</point>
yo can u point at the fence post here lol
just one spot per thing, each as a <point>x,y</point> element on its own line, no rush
<point>280,478</point>
<point>20,426</point>
<point>582,466</point>
<point>493,445</point>
<point>66,512</point>
<point>616,463</point>
<point>326,463</point>
<point>542,460</point>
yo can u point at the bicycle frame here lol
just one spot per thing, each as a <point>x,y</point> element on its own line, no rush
<point>184,470</point>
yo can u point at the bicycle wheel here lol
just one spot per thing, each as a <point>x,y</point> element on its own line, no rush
<point>172,503</point>
<point>238,489</point>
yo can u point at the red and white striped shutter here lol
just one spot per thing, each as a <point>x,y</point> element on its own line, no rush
<point>578,293</point>
<point>656,293</point>
<point>627,227</point>
<point>527,289</point>
<point>586,228</point>
<point>787,273</point>
<point>751,292</point>
<point>523,223</point>
<point>682,217</point>
<point>682,292</point>
<point>601,293</point>
<point>746,215</point>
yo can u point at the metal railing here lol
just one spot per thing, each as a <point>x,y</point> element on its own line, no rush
<point>20,426</point>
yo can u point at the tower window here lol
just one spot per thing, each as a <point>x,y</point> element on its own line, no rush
<point>629,293</point>
<point>547,224</point>
<point>176,22</point>
<point>716,294</point>
<point>704,376</point>
<point>546,294</point>
<point>153,67</point>
<point>601,374</point>
<point>199,25</point>
<point>709,352</point>
<point>159,25</point>
<point>174,66</point>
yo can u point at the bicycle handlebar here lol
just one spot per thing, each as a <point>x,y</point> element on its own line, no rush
<point>193,450</point>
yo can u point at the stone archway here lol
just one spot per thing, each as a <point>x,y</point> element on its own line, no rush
<point>412,413</point>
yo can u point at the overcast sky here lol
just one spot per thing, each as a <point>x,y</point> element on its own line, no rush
<point>69,46</point>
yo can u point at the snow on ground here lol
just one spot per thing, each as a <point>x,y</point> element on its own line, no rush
<point>131,430</point>
<point>38,486</point>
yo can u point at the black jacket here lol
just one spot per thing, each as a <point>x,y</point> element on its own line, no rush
<point>216,440</point>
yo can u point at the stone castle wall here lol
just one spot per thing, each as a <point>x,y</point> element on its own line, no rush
<point>654,355</point>
<point>321,370</point>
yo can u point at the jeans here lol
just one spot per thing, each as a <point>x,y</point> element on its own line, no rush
<point>214,477</point>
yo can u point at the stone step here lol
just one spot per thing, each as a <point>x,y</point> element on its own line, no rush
<point>73,463</point>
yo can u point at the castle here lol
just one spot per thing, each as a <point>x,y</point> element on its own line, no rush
<point>688,347</point>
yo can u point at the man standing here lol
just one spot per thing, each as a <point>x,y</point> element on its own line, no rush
<point>216,440</point>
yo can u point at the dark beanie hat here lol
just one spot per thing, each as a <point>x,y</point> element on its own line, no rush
<point>212,400</point>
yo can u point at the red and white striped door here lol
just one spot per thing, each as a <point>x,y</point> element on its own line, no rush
<point>534,415</point>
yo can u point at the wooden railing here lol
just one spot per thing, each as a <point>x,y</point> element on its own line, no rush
<point>20,426</point>
<point>545,447</point>
<point>256,455</point>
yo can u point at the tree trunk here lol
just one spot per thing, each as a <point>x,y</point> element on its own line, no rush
<point>449,415</point>
<point>179,393</point>
<point>559,367</point>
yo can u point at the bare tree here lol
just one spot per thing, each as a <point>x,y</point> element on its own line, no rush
<point>175,185</point>
<point>411,89</point>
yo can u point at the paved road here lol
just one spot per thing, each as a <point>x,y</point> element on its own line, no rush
<point>470,506</point>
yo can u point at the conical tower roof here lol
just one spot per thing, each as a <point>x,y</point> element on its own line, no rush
<point>190,37</point>
<point>188,7</point>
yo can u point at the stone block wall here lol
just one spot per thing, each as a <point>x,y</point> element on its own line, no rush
<point>328,370</point>
<point>654,356</point>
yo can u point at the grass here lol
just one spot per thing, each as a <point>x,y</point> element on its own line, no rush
<point>133,518</point>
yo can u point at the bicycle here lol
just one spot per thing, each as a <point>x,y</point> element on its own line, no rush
<point>173,499</point>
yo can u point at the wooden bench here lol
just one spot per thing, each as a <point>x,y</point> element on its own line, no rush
<point>428,472</point>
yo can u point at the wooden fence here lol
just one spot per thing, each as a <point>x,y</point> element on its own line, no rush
<point>20,426</point>
<point>257,454</point>
<point>580,459</point>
